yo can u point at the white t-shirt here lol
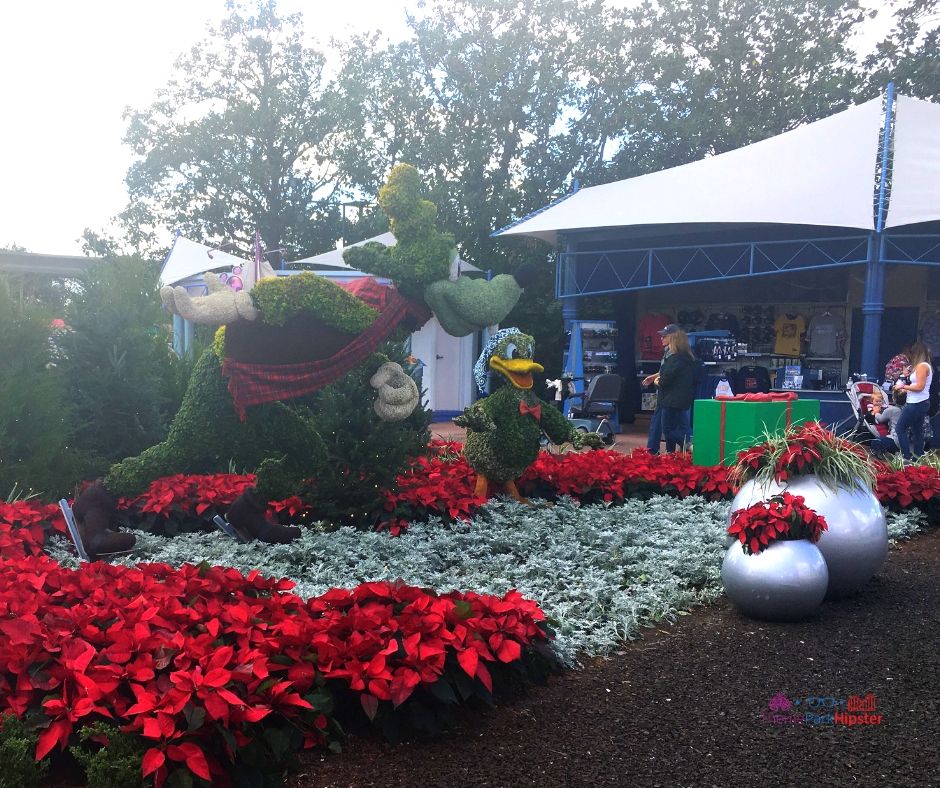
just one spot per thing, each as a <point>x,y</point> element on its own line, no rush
<point>924,393</point>
<point>723,389</point>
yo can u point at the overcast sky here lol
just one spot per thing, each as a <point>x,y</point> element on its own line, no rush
<point>70,67</point>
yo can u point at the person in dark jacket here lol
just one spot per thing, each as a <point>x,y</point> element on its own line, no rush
<point>655,437</point>
<point>676,382</point>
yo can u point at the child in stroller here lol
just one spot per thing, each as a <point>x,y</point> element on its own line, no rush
<point>875,417</point>
<point>885,417</point>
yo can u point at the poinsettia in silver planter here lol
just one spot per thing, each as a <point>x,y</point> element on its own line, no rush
<point>836,480</point>
<point>774,570</point>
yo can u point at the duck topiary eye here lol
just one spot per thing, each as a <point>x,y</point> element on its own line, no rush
<point>511,351</point>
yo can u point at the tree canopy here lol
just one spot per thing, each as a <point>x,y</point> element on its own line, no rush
<point>238,140</point>
<point>500,104</point>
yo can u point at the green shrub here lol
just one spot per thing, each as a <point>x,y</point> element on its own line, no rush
<point>124,381</point>
<point>110,758</point>
<point>18,767</point>
<point>364,454</point>
<point>282,298</point>
<point>36,428</point>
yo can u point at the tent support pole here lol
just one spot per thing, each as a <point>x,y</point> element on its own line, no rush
<point>569,306</point>
<point>873,306</point>
<point>178,335</point>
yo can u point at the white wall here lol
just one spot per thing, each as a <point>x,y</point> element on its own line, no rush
<point>448,370</point>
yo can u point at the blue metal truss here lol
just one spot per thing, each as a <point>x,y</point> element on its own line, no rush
<point>911,249</point>
<point>582,273</point>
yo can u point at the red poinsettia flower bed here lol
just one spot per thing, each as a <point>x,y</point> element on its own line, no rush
<point>190,495</point>
<point>433,486</point>
<point>201,662</point>
<point>25,524</point>
<point>780,517</point>
<point>918,485</point>
<point>442,484</point>
<point>612,477</point>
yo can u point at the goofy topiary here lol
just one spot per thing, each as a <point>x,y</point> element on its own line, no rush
<point>286,338</point>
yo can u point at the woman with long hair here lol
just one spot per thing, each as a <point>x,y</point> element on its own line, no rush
<point>676,381</point>
<point>917,405</point>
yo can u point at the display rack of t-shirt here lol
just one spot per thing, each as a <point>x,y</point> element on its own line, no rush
<point>592,351</point>
<point>769,339</point>
<point>826,336</point>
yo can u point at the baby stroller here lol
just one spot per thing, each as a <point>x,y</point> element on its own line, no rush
<point>857,427</point>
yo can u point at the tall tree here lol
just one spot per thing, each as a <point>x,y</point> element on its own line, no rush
<point>36,449</point>
<point>480,99</point>
<point>715,76</point>
<point>910,54</point>
<point>238,140</point>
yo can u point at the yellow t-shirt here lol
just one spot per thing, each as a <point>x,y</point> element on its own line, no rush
<point>789,331</point>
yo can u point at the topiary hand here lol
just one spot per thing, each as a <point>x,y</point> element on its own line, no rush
<point>476,420</point>
<point>396,393</point>
<point>589,439</point>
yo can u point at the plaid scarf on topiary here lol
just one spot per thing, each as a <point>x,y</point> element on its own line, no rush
<point>255,384</point>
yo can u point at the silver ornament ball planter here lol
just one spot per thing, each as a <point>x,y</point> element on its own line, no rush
<point>856,543</point>
<point>786,581</point>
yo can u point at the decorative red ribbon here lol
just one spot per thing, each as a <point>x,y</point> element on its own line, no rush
<point>787,397</point>
<point>534,410</point>
<point>774,396</point>
<point>721,433</point>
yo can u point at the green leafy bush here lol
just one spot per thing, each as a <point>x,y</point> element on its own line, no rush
<point>36,428</point>
<point>282,298</point>
<point>18,766</point>
<point>124,380</point>
<point>364,454</point>
<point>111,759</point>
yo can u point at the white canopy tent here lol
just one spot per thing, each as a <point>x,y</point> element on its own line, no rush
<point>763,209</point>
<point>915,179</point>
<point>188,258</point>
<point>334,258</point>
<point>818,174</point>
<point>822,174</point>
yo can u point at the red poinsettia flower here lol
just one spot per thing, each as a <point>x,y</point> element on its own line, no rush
<point>781,517</point>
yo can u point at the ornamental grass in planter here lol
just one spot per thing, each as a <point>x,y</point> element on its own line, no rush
<point>774,570</point>
<point>836,478</point>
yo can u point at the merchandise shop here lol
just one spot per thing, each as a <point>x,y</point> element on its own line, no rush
<point>786,274</point>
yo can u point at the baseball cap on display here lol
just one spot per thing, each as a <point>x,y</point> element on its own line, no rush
<point>669,329</point>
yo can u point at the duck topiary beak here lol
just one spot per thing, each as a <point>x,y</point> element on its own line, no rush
<point>517,370</point>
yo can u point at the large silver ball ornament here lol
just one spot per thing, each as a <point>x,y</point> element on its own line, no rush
<point>856,543</point>
<point>786,581</point>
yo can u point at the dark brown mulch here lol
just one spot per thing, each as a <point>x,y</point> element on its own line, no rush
<point>682,706</point>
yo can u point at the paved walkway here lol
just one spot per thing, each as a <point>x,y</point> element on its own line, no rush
<point>632,436</point>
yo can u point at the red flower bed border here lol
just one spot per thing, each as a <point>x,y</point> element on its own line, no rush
<point>200,662</point>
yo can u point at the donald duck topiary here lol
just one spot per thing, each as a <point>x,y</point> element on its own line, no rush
<point>503,429</point>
